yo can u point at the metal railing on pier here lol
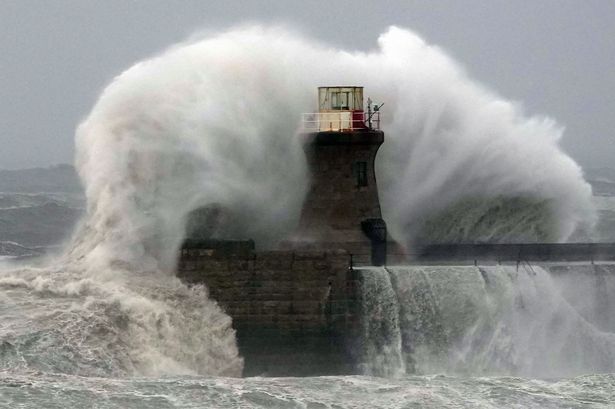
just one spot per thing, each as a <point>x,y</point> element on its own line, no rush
<point>486,254</point>
<point>431,254</point>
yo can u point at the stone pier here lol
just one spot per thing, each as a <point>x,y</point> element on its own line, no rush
<point>296,313</point>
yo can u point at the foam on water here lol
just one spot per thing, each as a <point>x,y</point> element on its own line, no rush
<point>593,391</point>
<point>61,321</point>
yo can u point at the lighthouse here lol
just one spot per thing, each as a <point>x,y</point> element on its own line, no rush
<point>341,209</point>
<point>295,309</point>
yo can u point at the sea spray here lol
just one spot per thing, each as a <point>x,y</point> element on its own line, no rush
<point>496,320</point>
<point>381,347</point>
<point>589,289</point>
<point>491,220</point>
<point>60,320</point>
<point>215,121</point>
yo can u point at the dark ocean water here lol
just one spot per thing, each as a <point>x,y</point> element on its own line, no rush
<point>38,390</point>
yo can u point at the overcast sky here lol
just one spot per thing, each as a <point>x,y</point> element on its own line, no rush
<point>556,57</point>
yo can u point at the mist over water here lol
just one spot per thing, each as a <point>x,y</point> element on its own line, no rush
<point>215,121</point>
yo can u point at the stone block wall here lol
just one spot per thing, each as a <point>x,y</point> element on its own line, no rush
<point>295,313</point>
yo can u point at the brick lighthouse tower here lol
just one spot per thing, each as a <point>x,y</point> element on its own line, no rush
<point>341,209</point>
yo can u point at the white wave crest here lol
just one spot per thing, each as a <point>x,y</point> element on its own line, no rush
<point>215,120</point>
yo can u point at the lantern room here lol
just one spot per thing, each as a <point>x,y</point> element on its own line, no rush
<point>340,99</point>
<point>340,109</point>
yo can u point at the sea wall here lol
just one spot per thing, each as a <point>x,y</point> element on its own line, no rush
<point>301,313</point>
<point>295,313</point>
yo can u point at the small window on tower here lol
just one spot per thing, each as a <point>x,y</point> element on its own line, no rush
<point>360,173</point>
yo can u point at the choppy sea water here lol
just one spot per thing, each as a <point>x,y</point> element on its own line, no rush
<point>38,390</point>
<point>516,338</point>
<point>87,336</point>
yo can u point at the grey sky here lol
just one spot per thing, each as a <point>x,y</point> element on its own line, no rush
<point>556,57</point>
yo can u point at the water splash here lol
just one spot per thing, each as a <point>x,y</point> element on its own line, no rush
<point>500,320</point>
<point>214,121</point>
<point>60,320</point>
<point>381,338</point>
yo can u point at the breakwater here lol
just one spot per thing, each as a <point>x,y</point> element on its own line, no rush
<point>294,313</point>
<point>306,313</point>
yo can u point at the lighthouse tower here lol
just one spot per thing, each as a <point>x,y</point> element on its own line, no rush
<point>341,209</point>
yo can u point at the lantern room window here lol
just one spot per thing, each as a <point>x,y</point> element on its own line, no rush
<point>340,99</point>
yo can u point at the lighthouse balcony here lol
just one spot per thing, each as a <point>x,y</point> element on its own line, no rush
<point>340,121</point>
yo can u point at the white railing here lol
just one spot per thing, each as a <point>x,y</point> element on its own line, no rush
<point>341,121</point>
